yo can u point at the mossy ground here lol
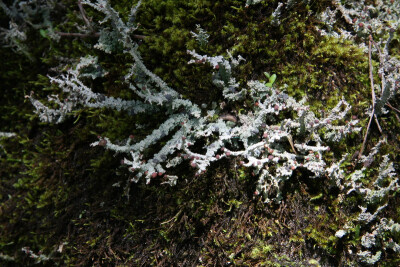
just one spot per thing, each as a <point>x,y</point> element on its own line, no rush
<point>57,194</point>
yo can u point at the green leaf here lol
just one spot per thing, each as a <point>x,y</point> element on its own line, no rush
<point>43,33</point>
<point>357,231</point>
<point>316,197</point>
<point>272,78</point>
<point>314,262</point>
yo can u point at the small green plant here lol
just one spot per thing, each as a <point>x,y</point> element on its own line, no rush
<point>271,79</point>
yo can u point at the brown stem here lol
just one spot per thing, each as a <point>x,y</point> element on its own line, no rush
<point>373,98</point>
<point>76,34</point>
<point>85,19</point>
<point>380,60</point>
<point>390,106</point>
<point>395,109</point>
<point>377,123</point>
<point>289,137</point>
<point>366,134</point>
<point>371,77</point>
<point>228,117</point>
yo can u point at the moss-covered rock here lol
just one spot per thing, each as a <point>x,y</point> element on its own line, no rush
<point>75,204</point>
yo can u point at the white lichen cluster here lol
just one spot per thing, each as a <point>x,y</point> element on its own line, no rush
<point>377,20</point>
<point>252,2</point>
<point>378,230</point>
<point>275,137</point>
<point>378,240</point>
<point>277,14</point>
<point>272,147</point>
<point>39,257</point>
<point>380,237</point>
<point>6,134</point>
<point>25,15</point>
<point>380,19</point>
<point>201,35</point>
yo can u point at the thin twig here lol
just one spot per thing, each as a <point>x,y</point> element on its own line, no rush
<point>289,137</point>
<point>228,117</point>
<point>377,123</point>
<point>365,136</point>
<point>397,117</point>
<point>89,25</point>
<point>85,19</point>
<point>373,98</point>
<point>76,34</point>
<point>93,34</point>
<point>390,106</point>
<point>175,217</point>
<point>383,81</point>
<point>395,109</point>
<point>371,77</point>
